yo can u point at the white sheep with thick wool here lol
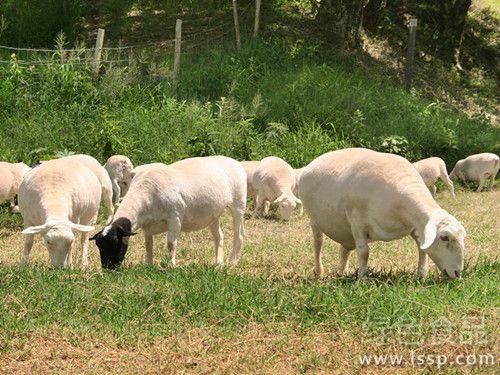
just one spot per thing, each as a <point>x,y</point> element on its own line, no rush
<point>477,168</point>
<point>57,199</point>
<point>431,170</point>
<point>357,196</point>
<point>11,176</point>
<point>119,168</point>
<point>273,181</point>
<point>188,195</point>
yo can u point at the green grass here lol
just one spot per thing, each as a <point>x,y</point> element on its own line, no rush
<point>147,302</point>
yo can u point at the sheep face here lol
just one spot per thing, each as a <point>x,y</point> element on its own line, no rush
<point>286,205</point>
<point>58,238</point>
<point>454,175</point>
<point>447,247</point>
<point>112,242</point>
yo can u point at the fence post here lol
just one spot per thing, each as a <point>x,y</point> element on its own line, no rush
<point>98,50</point>
<point>236,25</point>
<point>411,53</point>
<point>177,51</point>
<point>257,18</point>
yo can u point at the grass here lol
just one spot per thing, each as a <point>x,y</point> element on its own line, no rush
<point>266,314</point>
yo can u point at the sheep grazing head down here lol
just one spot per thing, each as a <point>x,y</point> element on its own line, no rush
<point>286,205</point>
<point>112,242</point>
<point>444,241</point>
<point>58,237</point>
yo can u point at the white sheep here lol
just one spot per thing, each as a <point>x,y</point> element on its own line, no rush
<point>119,168</point>
<point>250,167</point>
<point>11,176</point>
<point>477,168</point>
<point>298,173</point>
<point>432,169</point>
<point>188,195</point>
<point>357,196</point>
<point>100,173</point>
<point>56,199</point>
<point>274,181</point>
<point>142,168</point>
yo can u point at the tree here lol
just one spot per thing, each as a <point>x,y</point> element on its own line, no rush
<point>344,19</point>
<point>453,16</point>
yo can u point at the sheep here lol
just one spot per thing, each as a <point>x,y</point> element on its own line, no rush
<point>250,167</point>
<point>100,173</point>
<point>119,168</point>
<point>11,176</point>
<point>141,168</point>
<point>477,167</point>
<point>273,181</point>
<point>188,195</point>
<point>431,169</point>
<point>297,173</point>
<point>356,196</point>
<point>57,199</point>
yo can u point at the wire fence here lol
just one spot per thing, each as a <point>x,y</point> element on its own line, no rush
<point>192,42</point>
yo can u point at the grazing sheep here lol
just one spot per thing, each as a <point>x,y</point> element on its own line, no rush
<point>250,167</point>
<point>11,176</point>
<point>431,169</point>
<point>478,168</point>
<point>57,199</point>
<point>142,168</point>
<point>119,168</point>
<point>356,196</point>
<point>100,173</point>
<point>273,181</point>
<point>188,195</point>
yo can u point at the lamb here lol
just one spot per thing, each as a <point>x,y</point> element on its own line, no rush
<point>431,169</point>
<point>250,167</point>
<point>100,173</point>
<point>273,181</point>
<point>477,167</point>
<point>11,176</point>
<point>119,168</point>
<point>57,199</point>
<point>188,195</point>
<point>356,196</point>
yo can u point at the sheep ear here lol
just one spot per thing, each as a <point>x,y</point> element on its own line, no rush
<point>430,233</point>
<point>34,230</point>
<point>82,228</point>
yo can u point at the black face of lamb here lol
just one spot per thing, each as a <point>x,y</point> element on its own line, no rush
<point>113,246</point>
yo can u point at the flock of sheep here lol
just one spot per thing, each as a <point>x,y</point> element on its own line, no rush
<point>354,196</point>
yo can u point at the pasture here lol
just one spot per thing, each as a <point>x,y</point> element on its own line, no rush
<point>268,314</point>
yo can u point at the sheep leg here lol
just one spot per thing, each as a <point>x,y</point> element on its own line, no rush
<point>448,183</point>
<point>492,182</point>
<point>28,245</point>
<point>148,239</point>
<point>238,233</point>
<point>344,260</point>
<point>84,240</point>
<point>218,237</point>
<point>258,204</point>
<point>107,196</point>
<point>423,263</point>
<point>481,184</point>
<point>267,205</point>
<point>363,252</point>
<point>318,245</point>
<point>116,191</point>
<point>174,229</point>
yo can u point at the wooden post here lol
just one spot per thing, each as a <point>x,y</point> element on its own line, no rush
<point>257,18</point>
<point>98,50</point>
<point>177,51</point>
<point>411,53</point>
<point>236,25</point>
